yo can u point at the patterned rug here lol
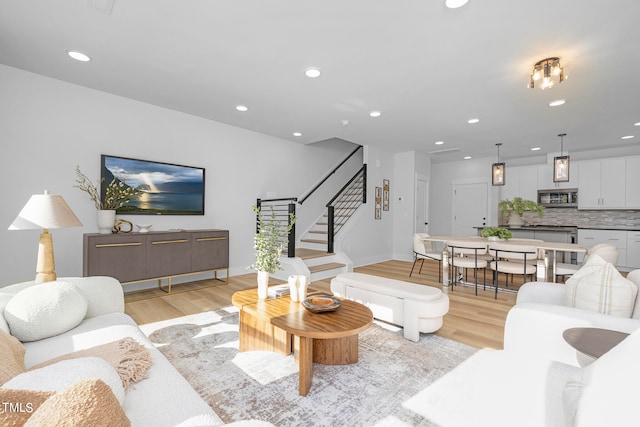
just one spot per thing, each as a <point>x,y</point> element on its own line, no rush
<point>264,385</point>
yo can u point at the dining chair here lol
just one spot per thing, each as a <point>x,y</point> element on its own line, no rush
<point>424,249</point>
<point>467,254</point>
<point>608,252</point>
<point>512,258</point>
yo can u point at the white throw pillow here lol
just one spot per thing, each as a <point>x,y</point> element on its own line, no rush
<point>45,310</point>
<point>599,287</point>
<point>4,300</point>
<point>61,375</point>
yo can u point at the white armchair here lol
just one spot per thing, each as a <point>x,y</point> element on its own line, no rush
<point>536,323</point>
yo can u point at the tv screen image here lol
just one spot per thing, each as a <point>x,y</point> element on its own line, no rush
<point>168,189</point>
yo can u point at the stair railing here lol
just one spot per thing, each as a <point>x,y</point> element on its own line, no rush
<point>283,209</point>
<point>313,190</point>
<point>349,203</point>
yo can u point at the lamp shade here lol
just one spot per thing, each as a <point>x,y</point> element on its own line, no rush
<point>45,211</point>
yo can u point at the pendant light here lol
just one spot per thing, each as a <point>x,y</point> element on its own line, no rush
<point>497,170</point>
<point>561,163</point>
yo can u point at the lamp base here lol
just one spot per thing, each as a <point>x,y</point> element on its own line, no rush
<point>46,262</point>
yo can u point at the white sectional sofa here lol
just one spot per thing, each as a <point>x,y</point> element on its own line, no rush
<point>164,398</point>
<point>537,379</point>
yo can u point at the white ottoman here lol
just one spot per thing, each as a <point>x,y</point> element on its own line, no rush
<point>415,307</point>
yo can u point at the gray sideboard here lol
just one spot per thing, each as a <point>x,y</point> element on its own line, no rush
<point>158,255</point>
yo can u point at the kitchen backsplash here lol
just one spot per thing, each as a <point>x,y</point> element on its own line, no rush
<point>584,218</point>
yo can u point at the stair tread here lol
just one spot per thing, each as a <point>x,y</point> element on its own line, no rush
<point>305,253</point>
<point>314,241</point>
<point>323,267</point>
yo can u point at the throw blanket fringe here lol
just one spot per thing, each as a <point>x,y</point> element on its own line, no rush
<point>127,356</point>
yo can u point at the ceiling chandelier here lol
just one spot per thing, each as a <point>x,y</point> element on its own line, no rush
<point>546,73</point>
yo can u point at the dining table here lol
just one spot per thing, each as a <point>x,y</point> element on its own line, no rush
<point>542,247</point>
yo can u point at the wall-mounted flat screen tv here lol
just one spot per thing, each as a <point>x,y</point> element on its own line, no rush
<point>167,189</point>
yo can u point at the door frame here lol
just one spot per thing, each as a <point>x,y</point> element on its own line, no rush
<point>470,181</point>
<point>420,177</point>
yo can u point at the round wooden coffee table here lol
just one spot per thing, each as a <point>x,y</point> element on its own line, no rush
<point>279,324</point>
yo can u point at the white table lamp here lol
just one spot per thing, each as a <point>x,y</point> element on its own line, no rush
<point>45,211</point>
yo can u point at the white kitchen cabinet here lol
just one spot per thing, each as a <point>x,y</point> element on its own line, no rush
<point>591,237</point>
<point>529,182</point>
<point>602,184</point>
<point>545,177</point>
<point>520,181</point>
<point>633,249</point>
<point>633,183</point>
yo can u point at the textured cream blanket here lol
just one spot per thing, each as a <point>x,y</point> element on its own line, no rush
<point>128,357</point>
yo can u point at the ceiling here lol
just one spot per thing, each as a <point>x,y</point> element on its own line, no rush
<point>426,68</point>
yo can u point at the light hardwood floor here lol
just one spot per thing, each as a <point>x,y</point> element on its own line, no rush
<point>474,320</point>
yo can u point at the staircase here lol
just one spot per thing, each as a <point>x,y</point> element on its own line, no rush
<point>317,254</point>
<point>313,245</point>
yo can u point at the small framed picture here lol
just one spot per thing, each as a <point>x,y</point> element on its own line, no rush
<point>378,207</point>
<point>385,194</point>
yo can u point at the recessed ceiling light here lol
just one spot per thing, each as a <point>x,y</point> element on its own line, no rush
<point>297,134</point>
<point>454,4</point>
<point>535,149</point>
<point>312,73</point>
<point>242,108</point>
<point>472,121</point>
<point>439,142</point>
<point>78,56</point>
<point>627,137</point>
<point>467,157</point>
<point>557,102</point>
<point>375,113</point>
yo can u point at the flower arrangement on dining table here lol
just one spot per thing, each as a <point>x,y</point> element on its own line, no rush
<point>499,232</point>
<point>117,194</point>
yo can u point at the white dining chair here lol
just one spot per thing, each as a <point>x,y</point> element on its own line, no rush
<point>608,252</point>
<point>467,254</point>
<point>425,250</point>
<point>512,258</point>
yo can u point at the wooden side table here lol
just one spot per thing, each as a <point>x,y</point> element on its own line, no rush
<point>593,342</point>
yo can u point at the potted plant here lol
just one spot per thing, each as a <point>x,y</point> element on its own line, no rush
<point>495,233</point>
<point>117,194</point>
<point>516,207</point>
<point>269,241</point>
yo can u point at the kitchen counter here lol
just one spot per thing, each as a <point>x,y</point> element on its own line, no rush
<point>556,228</point>
<point>567,228</point>
<point>612,227</point>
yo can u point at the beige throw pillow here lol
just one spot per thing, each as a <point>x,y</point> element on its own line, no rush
<point>18,405</point>
<point>86,403</point>
<point>599,287</point>
<point>11,357</point>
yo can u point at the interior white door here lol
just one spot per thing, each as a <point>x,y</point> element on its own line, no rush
<point>470,208</point>
<point>422,205</point>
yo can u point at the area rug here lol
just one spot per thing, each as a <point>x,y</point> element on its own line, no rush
<point>264,385</point>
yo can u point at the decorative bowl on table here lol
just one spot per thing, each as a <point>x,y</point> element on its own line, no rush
<point>144,228</point>
<point>321,303</point>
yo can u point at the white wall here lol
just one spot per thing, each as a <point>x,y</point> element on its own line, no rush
<point>442,177</point>
<point>47,127</point>
<point>371,240</point>
<point>406,168</point>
